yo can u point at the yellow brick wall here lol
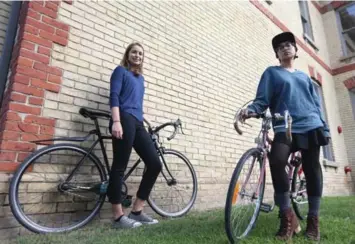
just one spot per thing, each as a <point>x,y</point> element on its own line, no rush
<point>5,8</point>
<point>203,60</point>
<point>347,117</point>
<point>192,71</point>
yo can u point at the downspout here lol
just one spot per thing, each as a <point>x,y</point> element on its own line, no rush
<point>11,32</point>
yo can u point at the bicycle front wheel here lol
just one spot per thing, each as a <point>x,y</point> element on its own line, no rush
<point>44,200</point>
<point>243,204</point>
<point>175,190</point>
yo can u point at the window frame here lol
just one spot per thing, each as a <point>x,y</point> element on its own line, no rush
<point>328,150</point>
<point>352,100</point>
<point>306,19</point>
<point>341,31</point>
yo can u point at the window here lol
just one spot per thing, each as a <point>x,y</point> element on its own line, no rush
<point>328,149</point>
<point>352,97</point>
<point>346,23</point>
<point>306,20</point>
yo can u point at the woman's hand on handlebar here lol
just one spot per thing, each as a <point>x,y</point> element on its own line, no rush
<point>243,115</point>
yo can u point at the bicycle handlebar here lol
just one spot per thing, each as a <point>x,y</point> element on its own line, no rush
<point>175,124</point>
<point>286,117</point>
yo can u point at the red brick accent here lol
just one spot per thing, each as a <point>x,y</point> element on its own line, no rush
<point>7,156</point>
<point>45,51</point>
<point>350,83</point>
<point>344,69</point>
<point>329,7</point>
<point>8,167</point>
<point>319,78</point>
<point>31,76</point>
<point>35,101</point>
<point>311,71</point>
<point>317,6</point>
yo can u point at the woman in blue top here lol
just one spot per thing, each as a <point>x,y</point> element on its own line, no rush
<point>285,88</point>
<point>126,126</point>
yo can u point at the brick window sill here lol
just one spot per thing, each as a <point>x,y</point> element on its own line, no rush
<point>330,164</point>
<point>347,58</point>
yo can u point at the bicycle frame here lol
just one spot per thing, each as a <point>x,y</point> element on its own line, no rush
<point>67,158</point>
<point>264,145</point>
<point>100,140</point>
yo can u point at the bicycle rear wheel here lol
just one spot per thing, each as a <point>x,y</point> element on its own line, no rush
<point>241,215</point>
<point>43,200</point>
<point>175,190</point>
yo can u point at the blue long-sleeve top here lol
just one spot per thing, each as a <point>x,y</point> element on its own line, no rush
<point>280,90</point>
<point>127,92</point>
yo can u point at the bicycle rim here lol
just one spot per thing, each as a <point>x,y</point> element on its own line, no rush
<point>176,199</point>
<point>240,215</point>
<point>44,201</point>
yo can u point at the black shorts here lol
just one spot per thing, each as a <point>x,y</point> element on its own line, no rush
<point>308,140</point>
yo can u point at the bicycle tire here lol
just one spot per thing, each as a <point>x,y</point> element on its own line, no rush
<point>14,197</point>
<point>192,200</point>
<point>293,189</point>
<point>253,152</point>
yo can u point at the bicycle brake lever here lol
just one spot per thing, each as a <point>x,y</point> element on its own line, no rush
<point>182,132</point>
<point>179,124</point>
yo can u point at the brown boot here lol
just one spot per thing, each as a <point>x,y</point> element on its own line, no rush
<point>312,230</point>
<point>288,226</point>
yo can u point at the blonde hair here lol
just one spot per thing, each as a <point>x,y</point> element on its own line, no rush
<point>125,62</point>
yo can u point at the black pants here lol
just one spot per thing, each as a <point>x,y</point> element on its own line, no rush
<point>279,155</point>
<point>134,135</point>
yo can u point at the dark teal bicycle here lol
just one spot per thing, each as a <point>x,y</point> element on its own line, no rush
<point>62,187</point>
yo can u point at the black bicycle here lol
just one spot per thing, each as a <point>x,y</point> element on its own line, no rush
<point>62,187</point>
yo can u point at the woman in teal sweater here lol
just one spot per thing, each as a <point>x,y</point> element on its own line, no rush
<point>285,88</point>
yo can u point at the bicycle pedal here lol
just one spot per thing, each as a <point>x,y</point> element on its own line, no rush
<point>266,208</point>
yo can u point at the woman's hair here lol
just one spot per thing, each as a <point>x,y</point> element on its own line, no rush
<point>125,63</point>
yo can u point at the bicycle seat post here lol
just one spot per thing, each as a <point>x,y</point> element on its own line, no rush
<point>98,132</point>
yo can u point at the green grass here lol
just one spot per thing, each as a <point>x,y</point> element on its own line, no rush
<point>337,223</point>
